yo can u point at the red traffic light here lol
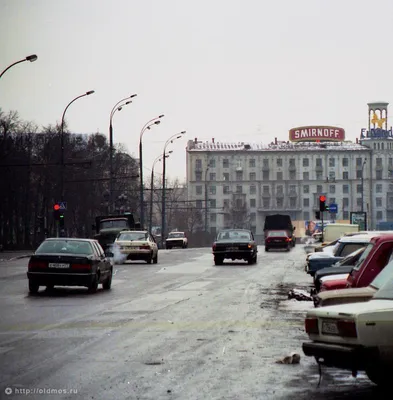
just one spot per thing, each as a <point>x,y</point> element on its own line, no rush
<point>322,198</point>
<point>56,207</point>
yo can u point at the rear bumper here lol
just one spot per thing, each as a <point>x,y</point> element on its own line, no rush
<point>174,243</point>
<point>59,279</point>
<point>281,245</point>
<point>342,356</point>
<point>236,255</point>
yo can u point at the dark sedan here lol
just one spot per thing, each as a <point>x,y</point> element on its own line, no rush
<point>278,240</point>
<point>69,262</point>
<point>235,244</point>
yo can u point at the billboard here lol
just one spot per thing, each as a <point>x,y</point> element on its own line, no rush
<point>359,218</point>
<point>313,227</point>
<point>317,134</point>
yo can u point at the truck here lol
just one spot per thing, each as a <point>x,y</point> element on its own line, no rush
<point>335,231</point>
<point>107,227</point>
<point>280,222</point>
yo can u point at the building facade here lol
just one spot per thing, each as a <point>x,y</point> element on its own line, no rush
<point>240,183</point>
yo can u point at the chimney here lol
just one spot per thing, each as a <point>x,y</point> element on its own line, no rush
<point>213,140</point>
<point>275,140</point>
<point>196,140</point>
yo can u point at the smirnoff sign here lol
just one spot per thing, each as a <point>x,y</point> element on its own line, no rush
<point>317,133</point>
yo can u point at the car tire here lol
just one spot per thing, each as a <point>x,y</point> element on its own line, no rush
<point>288,248</point>
<point>251,260</point>
<point>266,248</point>
<point>33,287</point>
<point>108,283</point>
<point>155,259</point>
<point>150,259</point>
<point>218,260</point>
<point>168,247</point>
<point>378,375</point>
<point>94,284</point>
<point>49,288</point>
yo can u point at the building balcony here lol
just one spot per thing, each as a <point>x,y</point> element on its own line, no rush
<point>319,168</point>
<point>266,168</point>
<point>266,195</point>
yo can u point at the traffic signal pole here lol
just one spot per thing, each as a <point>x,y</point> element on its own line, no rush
<point>322,224</point>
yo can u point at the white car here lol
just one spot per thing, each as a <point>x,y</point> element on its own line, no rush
<point>136,245</point>
<point>176,239</point>
<point>355,336</point>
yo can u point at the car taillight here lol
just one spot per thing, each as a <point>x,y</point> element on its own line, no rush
<point>37,264</point>
<point>311,325</point>
<point>214,246</point>
<point>80,266</point>
<point>347,328</point>
<point>288,239</point>
<point>145,247</point>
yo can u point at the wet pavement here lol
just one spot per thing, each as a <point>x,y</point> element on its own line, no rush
<point>181,329</point>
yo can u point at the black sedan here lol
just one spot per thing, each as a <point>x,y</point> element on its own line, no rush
<point>235,244</point>
<point>69,262</point>
<point>278,240</point>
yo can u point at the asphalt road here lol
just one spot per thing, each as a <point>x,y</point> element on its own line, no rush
<point>181,329</point>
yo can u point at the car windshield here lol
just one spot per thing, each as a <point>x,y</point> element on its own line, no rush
<point>366,252</point>
<point>114,223</point>
<point>176,235</point>
<point>65,246</point>
<point>349,258</point>
<point>234,235</point>
<point>277,234</point>
<point>384,276</point>
<point>131,236</point>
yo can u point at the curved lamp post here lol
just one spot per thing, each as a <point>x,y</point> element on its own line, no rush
<point>116,107</point>
<point>31,58</point>
<point>159,158</point>
<point>62,142</point>
<point>153,121</point>
<point>170,140</point>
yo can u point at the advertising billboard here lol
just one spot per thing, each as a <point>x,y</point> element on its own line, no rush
<point>317,134</point>
<point>359,218</point>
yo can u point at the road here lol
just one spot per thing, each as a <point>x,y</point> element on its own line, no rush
<point>181,329</point>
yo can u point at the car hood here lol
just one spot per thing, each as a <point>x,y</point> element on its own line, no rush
<point>321,254</point>
<point>346,269</point>
<point>367,291</point>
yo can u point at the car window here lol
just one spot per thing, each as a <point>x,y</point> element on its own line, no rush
<point>131,236</point>
<point>365,253</point>
<point>176,235</point>
<point>65,246</point>
<point>277,234</point>
<point>384,276</point>
<point>97,249</point>
<point>349,248</point>
<point>385,291</point>
<point>233,235</point>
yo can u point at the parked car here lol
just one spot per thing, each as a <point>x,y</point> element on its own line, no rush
<point>375,257</point>
<point>235,244</point>
<point>176,239</point>
<point>278,240</point>
<point>355,336</point>
<point>354,295</point>
<point>69,262</point>
<point>137,245</point>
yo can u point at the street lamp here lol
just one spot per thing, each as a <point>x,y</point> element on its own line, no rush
<point>62,143</point>
<point>115,108</point>
<point>31,58</point>
<point>206,198</point>
<point>159,158</point>
<point>170,140</point>
<point>153,121</point>
<point>364,162</point>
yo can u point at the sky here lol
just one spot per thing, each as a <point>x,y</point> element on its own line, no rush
<point>231,70</point>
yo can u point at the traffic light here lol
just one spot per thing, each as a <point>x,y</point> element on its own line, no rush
<point>61,220</point>
<point>322,203</point>
<point>56,212</point>
<point>317,215</point>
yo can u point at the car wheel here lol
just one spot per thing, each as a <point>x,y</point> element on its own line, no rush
<point>49,288</point>
<point>250,261</point>
<point>378,375</point>
<point>33,287</point>
<point>168,247</point>
<point>266,248</point>
<point>155,259</point>
<point>108,283</point>
<point>218,260</point>
<point>150,259</point>
<point>289,247</point>
<point>94,284</point>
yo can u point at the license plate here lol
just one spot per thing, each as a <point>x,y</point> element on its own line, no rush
<point>58,265</point>
<point>277,240</point>
<point>329,328</point>
<point>232,248</point>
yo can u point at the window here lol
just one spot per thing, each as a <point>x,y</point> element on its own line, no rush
<point>279,176</point>
<point>332,200</point>
<point>292,188</point>
<point>306,202</point>
<point>379,201</point>
<point>345,214</point>
<point>378,188</point>
<point>266,203</point>
<point>292,175</point>
<point>212,176</point>
<point>332,189</point>
<point>253,176</point>
<point>253,216</point>
<point>225,163</point>
<point>212,203</point>
<point>198,189</point>
<point>345,162</point>
<point>198,204</point>
<point>319,188</point>
<point>265,175</point>
<point>292,202</point>
<point>319,176</point>
<point>379,215</point>
<point>213,217</point>
<point>212,189</point>
<point>198,164</point>
<point>225,190</point>
<point>306,176</point>
<point>306,189</point>
<point>332,162</point>
<point>306,162</point>
<point>265,163</point>
<point>279,162</point>
<point>359,162</point>
<point>253,203</point>
<point>345,175</point>
<point>225,203</point>
<point>379,174</point>
<point>332,176</point>
<point>239,189</point>
<point>359,188</point>
<point>345,202</point>
<point>198,176</point>
<point>212,163</point>
<point>379,162</point>
<point>318,162</point>
<point>359,202</point>
<point>265,189</point>
<point>292,162</point>
<point>359,174</point>
<point>345,188</point>
<point>306,215</point>
<point>239,175</point>
<point>253,189</point>
<point>226,176</point>
<point>239,203</point>
<point>251,163</point>
<point>280,189</point>
<point>280,202</point>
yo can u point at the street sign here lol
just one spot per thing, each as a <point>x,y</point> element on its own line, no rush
<point>63,205</point>
<point>333,208</point>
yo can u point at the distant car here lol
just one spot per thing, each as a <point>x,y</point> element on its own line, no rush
<point>176,239</point>
<point>136,245</point>
<point>278,240</point>
<point>235,244</point>
<point>355,336</point>
<point>69,262</point>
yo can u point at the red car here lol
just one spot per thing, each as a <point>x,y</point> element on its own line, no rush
<point>375,257</point>
<point>278,240</point>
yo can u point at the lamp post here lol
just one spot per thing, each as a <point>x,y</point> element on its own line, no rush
<point>159,158</point>
<point>31,58</point>
<point>115,108</point>
<point>364,162</point>
<point>62,143</point>
<point>153,121</point>
<point>206,198</point>
<point>163,227</point>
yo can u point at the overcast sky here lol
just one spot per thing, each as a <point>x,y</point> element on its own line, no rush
<point>234,70</point>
